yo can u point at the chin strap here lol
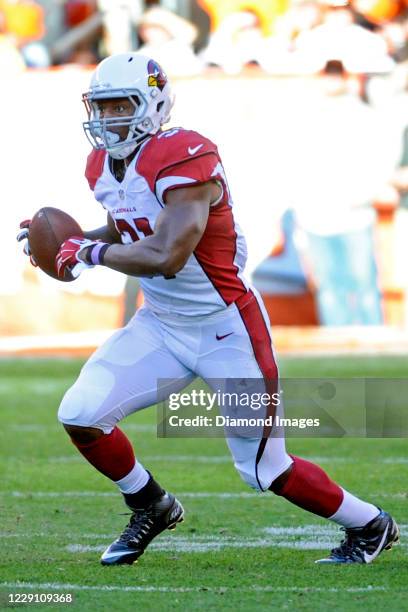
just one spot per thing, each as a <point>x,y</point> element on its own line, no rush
<point>126,150</point>
<point>123,151</point>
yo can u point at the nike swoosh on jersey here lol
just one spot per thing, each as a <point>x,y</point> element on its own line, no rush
<point>224,336</point>
<point>369,558</point>
<point>193,150</point>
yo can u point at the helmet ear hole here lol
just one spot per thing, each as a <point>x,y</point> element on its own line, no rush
<point>160,104</point>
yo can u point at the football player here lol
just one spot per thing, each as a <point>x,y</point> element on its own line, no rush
<point>170,221</point>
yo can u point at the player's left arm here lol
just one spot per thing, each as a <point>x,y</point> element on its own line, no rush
<point>178,230</point>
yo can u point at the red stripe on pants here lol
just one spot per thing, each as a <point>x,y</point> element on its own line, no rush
<point>252,317</point>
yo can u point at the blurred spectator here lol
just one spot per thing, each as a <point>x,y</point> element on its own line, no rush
<point>395,35</point>
<point>299,40</point>
<point>399,179</point>
<point>239,31</point>
<point>378,12</point>
<point>77,11</point>
<point>36,55</point>
<point>79,41</point>
<point>120,18</point>
<point>11,61</point>
<point>277,56</point>
<point>389,95</point>
<point>169,39</point>
<point>302,15</point>
<point>266,11</point>
<point>282,272</point>
<point>389,19</point>
<point>237,41</point>
<point>339,38</point>
<point>24,20</point>
<point>343,152</point>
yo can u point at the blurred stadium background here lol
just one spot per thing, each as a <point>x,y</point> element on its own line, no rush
<point>307,103</point>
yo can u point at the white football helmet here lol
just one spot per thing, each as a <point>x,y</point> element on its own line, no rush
<point>133,76</point>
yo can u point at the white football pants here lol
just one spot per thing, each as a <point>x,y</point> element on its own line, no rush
<point>121,377</point>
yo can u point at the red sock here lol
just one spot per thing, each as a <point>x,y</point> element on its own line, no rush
<point>111,454</point>
<point>310,488</point>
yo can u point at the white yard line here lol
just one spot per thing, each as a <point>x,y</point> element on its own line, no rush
<point>206,459</point>
<point>204,547</point>
<point>48,534</point>
<point>306,537</point>
<point>188,494</point>
<point>308,531</point>
<point>36,387</point>
<point>315,529</point>
<point>152,428</point>
<point>70,588</point>
<point>37,427</point>
<point>56,494</point>
<point>149,458</point>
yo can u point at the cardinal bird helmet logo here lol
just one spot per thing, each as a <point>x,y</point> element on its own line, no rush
<point>156,77</point>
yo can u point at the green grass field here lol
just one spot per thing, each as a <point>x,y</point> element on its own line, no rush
<point>236,550</point>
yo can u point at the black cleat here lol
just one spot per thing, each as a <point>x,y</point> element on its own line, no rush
<point>144,525</point>
<point>364,544</point>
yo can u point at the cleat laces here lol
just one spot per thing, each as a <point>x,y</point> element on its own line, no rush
<point>139,526</point>
<point>352,546</point>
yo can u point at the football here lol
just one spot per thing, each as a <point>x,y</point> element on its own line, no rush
<point>48,230</point>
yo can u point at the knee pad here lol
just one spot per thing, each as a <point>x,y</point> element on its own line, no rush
<point>86,403</point>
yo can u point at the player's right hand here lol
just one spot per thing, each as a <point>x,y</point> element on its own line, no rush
<point>23,234</point>
<point>67,256</point>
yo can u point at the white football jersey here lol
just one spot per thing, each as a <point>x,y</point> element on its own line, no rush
<point>213,275</point>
